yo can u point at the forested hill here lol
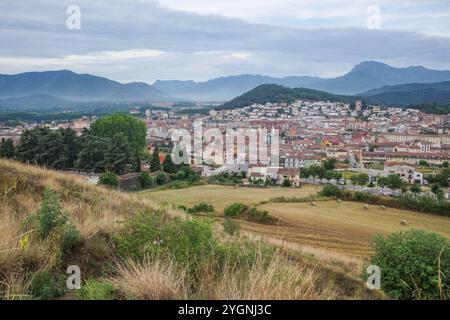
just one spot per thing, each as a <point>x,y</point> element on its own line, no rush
<point>276,93</point>
<point>410,94</point>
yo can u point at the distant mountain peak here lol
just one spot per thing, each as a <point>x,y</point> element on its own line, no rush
<point>71,86</point>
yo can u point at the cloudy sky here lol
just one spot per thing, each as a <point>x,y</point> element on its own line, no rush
<point>146,40</point>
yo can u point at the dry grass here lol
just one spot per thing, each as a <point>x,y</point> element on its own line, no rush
<point>16,287</point>
<point>150,280</point>
<point>280,280</point>
<point>222,196</point>
<point>93,210</point>
<point>345,228</point>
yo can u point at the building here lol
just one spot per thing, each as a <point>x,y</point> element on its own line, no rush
<point>407,173</point>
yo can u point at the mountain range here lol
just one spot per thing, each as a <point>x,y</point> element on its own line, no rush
<point>68,85</point>
<point>374,81</point>
<point>365,76</point>
<point>226,88</point>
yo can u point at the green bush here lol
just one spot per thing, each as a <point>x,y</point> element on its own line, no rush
<point>241,210</point>
<point>96,290</point>
<point>50,215</point>
<point>258,216</point>
<point>231,227</point>
<point>409,263</point>
<point>201,207</point>
<point>186,241</point>
<point>190,243</point>
<point>70,238</point>
<point>145,180</point>
<point>109,179</point>
<point>46,286</point>
<point>287,183</point>
<point>161,179</point>
<point>235,209</point>
<point>330,191</point>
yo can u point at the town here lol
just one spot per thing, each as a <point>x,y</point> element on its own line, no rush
<point>371,141</point>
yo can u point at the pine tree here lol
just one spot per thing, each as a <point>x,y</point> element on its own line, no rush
<point>168,165</point>
<point>118,155</point>
<point>154,161</point>
<point>7,149</point>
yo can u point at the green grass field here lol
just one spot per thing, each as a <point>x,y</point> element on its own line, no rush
<point>329,228</point>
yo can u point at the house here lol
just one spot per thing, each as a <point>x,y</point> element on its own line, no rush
<point>293,175</point>
<point>407,173</point>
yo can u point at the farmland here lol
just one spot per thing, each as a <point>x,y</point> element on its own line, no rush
<point>329,229</point>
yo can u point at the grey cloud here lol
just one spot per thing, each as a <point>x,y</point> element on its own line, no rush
<point>37,29</point>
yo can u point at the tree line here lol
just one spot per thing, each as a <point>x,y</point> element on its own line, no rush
<point>115,143</point>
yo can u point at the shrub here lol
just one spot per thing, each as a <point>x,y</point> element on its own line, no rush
<point>109,179</point>
<point>287,183</point>
<point>70,238</point>
<point>50,215</point>
<point>160,179</point>
<point>235,209</point>
<point>96,290</point>
<point>145,180</point>
<point>46,286</point>
<point>258,216</point>
<point>330,191</point>
<point>201,207</point>
<point>252,214</point>
<point>186,241</point>
<point>409,263</point>
<point>231,227</point>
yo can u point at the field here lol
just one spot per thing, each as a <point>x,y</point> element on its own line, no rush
<point>221,196</point>
<point>329,230</point>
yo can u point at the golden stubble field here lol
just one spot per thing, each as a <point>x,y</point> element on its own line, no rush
<point>329,230</point>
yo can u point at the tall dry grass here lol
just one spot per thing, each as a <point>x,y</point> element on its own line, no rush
<point>164,280</point>
<point>150,280</point>
<point>93,210</point>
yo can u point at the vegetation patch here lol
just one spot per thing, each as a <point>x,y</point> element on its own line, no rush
<point>242,211</point>
<point>414,265</point>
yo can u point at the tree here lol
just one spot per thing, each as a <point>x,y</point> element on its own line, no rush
<point>436,189</point>
<point>54,149</point>
<point>92,155</point>
<point>7,149</point>
<point>394,181</point>
<point>445,164</point>
<point>155,165</point>
<point>423,163</point>
<point>134,130</point>
<point>382,182</point>
<point>415,188</point>
<point>168,165</point>
<point>330,164</point>
<point>118,154</point>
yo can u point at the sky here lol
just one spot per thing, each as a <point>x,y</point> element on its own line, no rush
<point>147,40</point>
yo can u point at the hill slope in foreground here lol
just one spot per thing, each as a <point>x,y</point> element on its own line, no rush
<point>51,220</point>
